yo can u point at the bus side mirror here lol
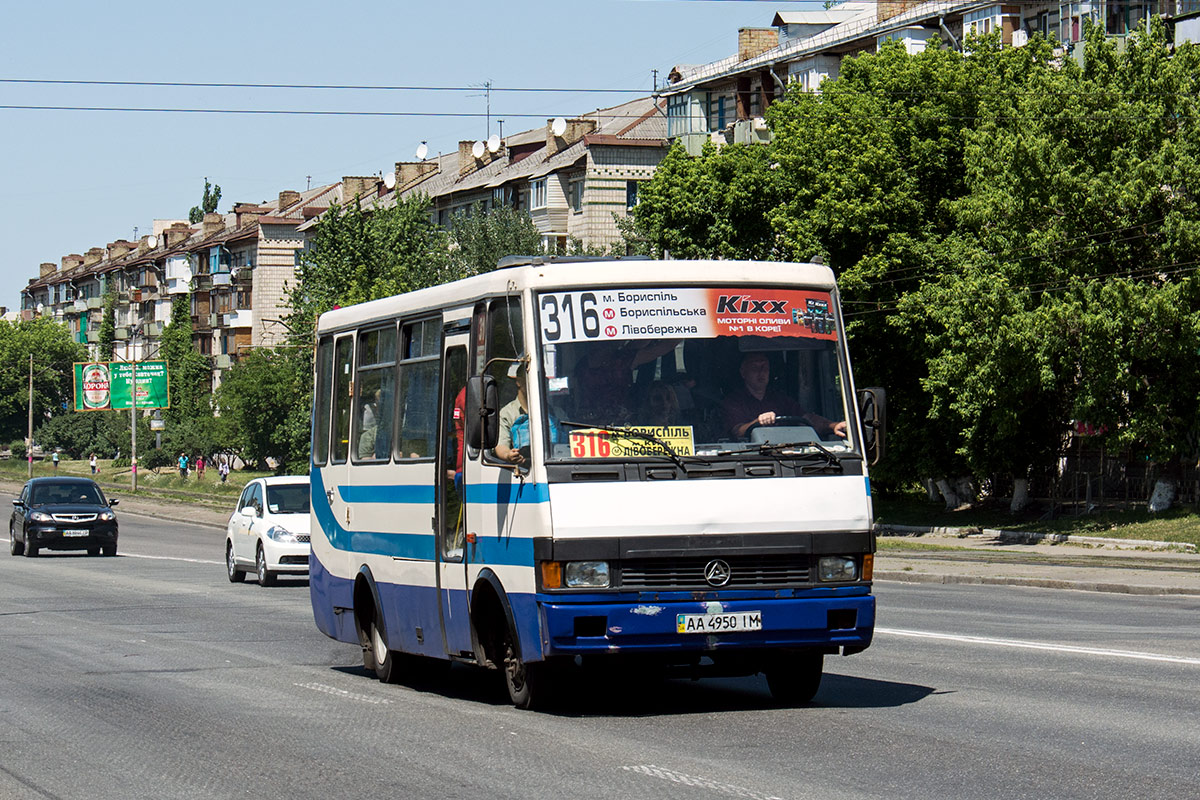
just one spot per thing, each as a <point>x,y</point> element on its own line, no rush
<point>872,405</point>
<point>483,412</point>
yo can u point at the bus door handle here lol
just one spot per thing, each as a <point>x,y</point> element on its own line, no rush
<point>329,496</point>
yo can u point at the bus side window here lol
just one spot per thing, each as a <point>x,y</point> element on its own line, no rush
<point>376,391</point>
<point>416,406</point>
<point>324,381</point>
<point>342,357</point>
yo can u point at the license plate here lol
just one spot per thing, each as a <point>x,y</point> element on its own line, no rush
<point>75,532</point>
<point>718,623</point>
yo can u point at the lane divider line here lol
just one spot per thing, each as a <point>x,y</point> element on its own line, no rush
<point>1026,645</point>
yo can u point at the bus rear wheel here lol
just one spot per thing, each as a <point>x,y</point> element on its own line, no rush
<point>794,678</point>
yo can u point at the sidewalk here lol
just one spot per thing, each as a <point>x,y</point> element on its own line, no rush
<point>1002,558</point>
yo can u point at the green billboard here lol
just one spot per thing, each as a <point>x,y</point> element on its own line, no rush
<point>104,385</point>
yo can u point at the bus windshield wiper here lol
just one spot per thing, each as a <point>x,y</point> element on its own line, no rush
<point>827,456</point>
<point>633,433</point>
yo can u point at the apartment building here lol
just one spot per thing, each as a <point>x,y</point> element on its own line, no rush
<point>573,176</point>
<point>233,267</point>
<point>724,101</point>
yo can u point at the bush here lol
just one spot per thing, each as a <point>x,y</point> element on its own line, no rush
<point>18,449</point>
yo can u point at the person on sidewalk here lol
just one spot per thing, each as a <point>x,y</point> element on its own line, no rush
<point>183,465</point>
<point>54,458</point>
<point>223,468</point>
<point>92,462</point>
<point>200,467</point>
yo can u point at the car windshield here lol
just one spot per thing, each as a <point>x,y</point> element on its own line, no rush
<point>707,371</point>
<point>65,494</point>
<point>287,498</point>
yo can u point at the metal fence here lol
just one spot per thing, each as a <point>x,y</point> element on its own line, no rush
<point>1088,477</point>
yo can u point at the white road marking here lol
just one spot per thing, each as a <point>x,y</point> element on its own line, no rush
<point>1057,648</point>
<point>336,692</point>
<point>164,558</point>
<point>702,783</point>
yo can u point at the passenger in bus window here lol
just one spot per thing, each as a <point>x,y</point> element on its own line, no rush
<point>755,403</point>
<point>515,427</point>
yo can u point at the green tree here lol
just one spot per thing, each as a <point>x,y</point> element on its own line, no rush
<point>107,335</point>
<point>266,398</point>
<point>713,206</point>
<point>78,434</point>
<point>54,353</point>
<point>189,374</point>
<point>208,203</point>
<point>482,237</point>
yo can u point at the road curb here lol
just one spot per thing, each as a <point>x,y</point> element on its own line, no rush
<point>1038,583</point>
<point>1032,537</point>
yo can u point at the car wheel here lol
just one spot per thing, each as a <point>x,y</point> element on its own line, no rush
<point>93,551</point>
<point>794,678</point>
<point>231,568</point>
<point>265,576</point>
<point>14,547</point>
<point>109,550</point>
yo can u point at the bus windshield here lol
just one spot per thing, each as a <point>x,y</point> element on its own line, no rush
<point>705,371</point>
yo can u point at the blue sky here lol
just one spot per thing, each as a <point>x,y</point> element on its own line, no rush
<point>71,180</point>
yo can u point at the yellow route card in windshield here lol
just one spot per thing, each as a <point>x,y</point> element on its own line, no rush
<point>598,443</point>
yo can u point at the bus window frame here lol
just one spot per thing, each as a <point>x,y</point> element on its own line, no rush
<point>322,407</point>
<point>436,357</point>
<point>359,369</point>
<point>346,338</point>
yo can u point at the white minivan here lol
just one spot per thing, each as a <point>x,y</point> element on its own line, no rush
<point>268,532</point>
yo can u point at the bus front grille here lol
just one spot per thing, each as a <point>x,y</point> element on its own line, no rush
<point>745,572</point>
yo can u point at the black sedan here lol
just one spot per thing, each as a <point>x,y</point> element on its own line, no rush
<point>62,514</point>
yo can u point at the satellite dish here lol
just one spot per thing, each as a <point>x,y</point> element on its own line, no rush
<point>40,308</point>
<point>389,180</point>
<point>422,151</point>
<point>477,149</point>
<point>493,143</point>
<point>152,242</point>
<point>559,126</point>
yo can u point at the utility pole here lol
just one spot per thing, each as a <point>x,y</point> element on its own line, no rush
<point>29,440</point>
<point>133,420</point>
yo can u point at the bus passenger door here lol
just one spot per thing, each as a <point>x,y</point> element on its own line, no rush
<point>453,598</point>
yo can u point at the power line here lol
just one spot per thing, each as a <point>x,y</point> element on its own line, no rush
<point>352,87</point>
<point>292,112</point>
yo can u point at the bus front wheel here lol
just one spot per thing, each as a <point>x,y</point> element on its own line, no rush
<point>376,655</point>
<point>794,678</point>
<point>529,683</point>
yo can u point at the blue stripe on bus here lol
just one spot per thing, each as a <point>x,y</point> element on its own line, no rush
<point>489,494</point>
<point>500,549</point>
<point>868,482</point>
<point>507,493</point>
<point>391,493</point>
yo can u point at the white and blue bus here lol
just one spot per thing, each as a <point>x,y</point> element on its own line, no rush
<point>566,461</point>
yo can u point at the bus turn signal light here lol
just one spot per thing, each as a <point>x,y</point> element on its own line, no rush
<point>551,575</point>
<point>868,569</point>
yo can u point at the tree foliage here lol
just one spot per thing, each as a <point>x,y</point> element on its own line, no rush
<point>208,203</point>
<point>107,335</point>
<point>1015,239</point>
<point>482,237</point>
<point>54,354</point>
<point>262,426</point>
<point>189,374</point>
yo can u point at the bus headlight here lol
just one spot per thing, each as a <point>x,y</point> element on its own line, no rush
<point>836,569</point>
<point>586,574</point>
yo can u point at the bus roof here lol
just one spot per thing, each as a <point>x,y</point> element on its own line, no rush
<point>572,274</point>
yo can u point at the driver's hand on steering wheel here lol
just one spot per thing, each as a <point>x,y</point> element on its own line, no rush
<point>766,418</point>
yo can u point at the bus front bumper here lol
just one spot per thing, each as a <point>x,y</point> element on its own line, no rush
<point>831,621</point>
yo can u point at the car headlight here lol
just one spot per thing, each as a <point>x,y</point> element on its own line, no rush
<point>586,574</point>
<point>41,516</point>
<point>279,533</point>
<point>107,516</point>
<point>834,569</point>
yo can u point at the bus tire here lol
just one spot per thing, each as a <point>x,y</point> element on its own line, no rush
<point>377,656</point>
<point>794,678</point>
<point>530,684</point>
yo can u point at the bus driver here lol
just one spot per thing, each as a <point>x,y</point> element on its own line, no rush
<point>757,404</point>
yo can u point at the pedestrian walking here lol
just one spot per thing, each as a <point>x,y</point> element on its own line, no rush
<point>200,467</point>
<point>223,468</point>
<point>92,462</point>
<point>183,465</point>
<point>54,458</point>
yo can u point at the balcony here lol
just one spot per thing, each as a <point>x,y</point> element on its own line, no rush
<point>95,302</point>
<point>93,337</point>
<point>221,279</point>
<point>223,361</point>
<point>121,334</point>
<point>153,329</point>
<point>242,318</point>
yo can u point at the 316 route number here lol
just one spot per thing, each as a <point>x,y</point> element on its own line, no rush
<point>570,317</point>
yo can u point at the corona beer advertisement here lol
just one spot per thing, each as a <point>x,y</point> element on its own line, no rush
<point>106,385</point>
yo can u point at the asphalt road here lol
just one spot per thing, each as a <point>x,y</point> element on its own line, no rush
<point>150,675</point>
